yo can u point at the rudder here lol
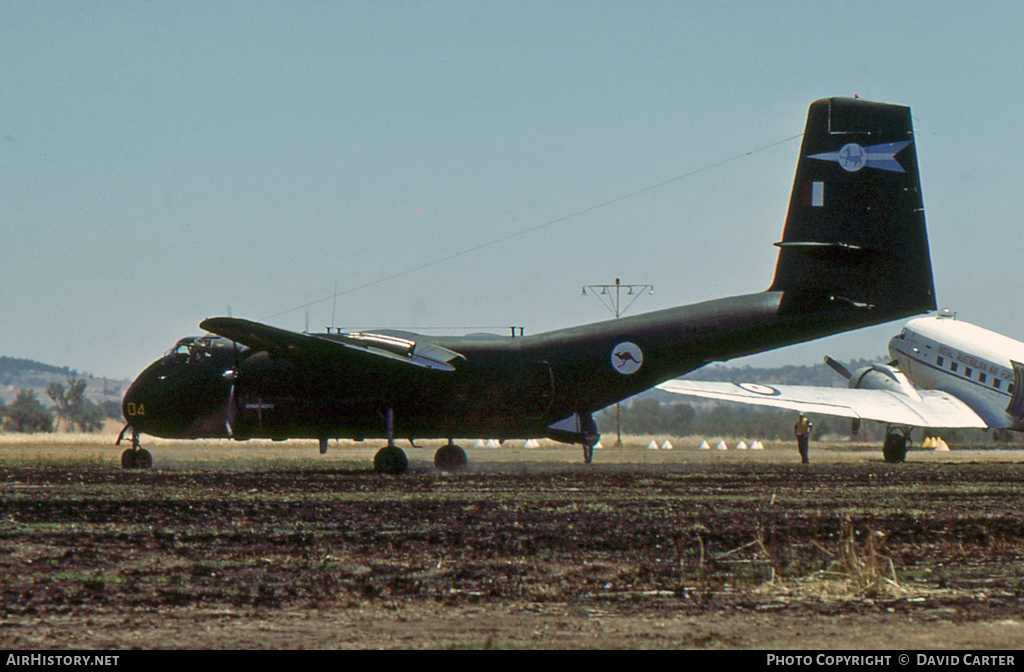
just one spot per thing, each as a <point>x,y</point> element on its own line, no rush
<point>855,233</point>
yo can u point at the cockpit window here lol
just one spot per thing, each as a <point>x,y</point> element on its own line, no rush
<point>181,350</point>
<point>199,350</point>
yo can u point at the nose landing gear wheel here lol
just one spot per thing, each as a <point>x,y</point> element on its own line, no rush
<point>136,458</point>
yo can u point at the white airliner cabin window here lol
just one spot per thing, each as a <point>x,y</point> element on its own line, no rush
<point>995,383</point>
<point>953,367</point>
<point>968,371</point>
<point>941,361</point>
<point>982,377</point>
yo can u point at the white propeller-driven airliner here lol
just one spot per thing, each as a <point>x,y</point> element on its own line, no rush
<point>944,373</point>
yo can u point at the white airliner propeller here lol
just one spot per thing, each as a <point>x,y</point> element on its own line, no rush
<point>838,368</point>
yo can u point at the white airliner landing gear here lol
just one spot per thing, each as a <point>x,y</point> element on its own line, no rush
<point>450,457</point>
<point>135,457</point>
<point>390,459</point>
<point>897,440</point>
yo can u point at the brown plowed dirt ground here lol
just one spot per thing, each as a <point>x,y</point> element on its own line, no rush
<point>264,545</point>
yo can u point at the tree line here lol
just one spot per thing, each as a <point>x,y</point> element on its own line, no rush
<point>652,417</point>
<point>71,410</point>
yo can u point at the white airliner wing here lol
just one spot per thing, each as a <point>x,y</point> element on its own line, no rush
<point>933,409</point>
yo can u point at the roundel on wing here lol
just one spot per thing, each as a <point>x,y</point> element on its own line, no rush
<point>766,390</point>
<point>627,358</point>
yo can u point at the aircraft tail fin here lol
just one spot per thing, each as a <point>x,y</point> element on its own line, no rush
<point>855,233</point>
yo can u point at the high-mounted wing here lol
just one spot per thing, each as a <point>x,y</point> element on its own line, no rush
<point>933,409</point>
<point>382,346</point>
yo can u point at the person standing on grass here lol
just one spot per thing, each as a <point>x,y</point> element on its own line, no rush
<point>802,429</point>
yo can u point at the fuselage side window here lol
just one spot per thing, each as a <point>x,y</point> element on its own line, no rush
<point>982,377</point>
<point>968,371</point>
<point>953,367</point>
<point>995,383</point>
<point>941,361</point>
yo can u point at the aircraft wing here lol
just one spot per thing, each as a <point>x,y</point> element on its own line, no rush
<point>934,408</point>
<point>366,347</point>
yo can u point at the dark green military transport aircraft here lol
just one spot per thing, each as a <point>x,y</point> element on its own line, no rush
<point>854,253</point>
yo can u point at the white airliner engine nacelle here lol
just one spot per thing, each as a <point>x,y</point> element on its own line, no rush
<point>883,377</point>
<point>875,377</point>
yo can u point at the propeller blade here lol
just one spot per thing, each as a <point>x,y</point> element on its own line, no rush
<point>230,413</point>
<point>232,408</point>
<point>837,367</point>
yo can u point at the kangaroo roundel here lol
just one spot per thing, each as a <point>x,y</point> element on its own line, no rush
<point>852,157</point>
<point>627,358</point>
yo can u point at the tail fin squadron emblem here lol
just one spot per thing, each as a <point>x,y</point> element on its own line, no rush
<point>853,157</point>
<point>627,358</point>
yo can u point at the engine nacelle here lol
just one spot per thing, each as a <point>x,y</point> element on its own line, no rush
<point>883,377</point>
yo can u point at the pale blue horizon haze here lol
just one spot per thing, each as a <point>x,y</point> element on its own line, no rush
<point>164,162</point>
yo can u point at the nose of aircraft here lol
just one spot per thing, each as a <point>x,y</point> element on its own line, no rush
<point>133,405</point>
<point>178,399</point>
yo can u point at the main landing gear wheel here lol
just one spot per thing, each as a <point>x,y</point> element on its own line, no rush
<point>390,460</point>
<point>895,448</point>
<point>450,458</point>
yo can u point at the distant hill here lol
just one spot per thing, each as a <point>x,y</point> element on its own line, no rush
<point>13,366</point>
<point>17,374</point>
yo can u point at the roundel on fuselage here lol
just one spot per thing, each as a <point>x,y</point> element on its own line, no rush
<point>627,358</point>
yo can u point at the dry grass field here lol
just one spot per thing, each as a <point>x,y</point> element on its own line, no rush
<point>271,545</point>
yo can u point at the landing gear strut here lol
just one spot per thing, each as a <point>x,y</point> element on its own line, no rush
<point>135,457</point>
<point>390,459</point>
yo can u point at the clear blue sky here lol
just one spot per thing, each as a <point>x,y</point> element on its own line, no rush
<point>162,161</point>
